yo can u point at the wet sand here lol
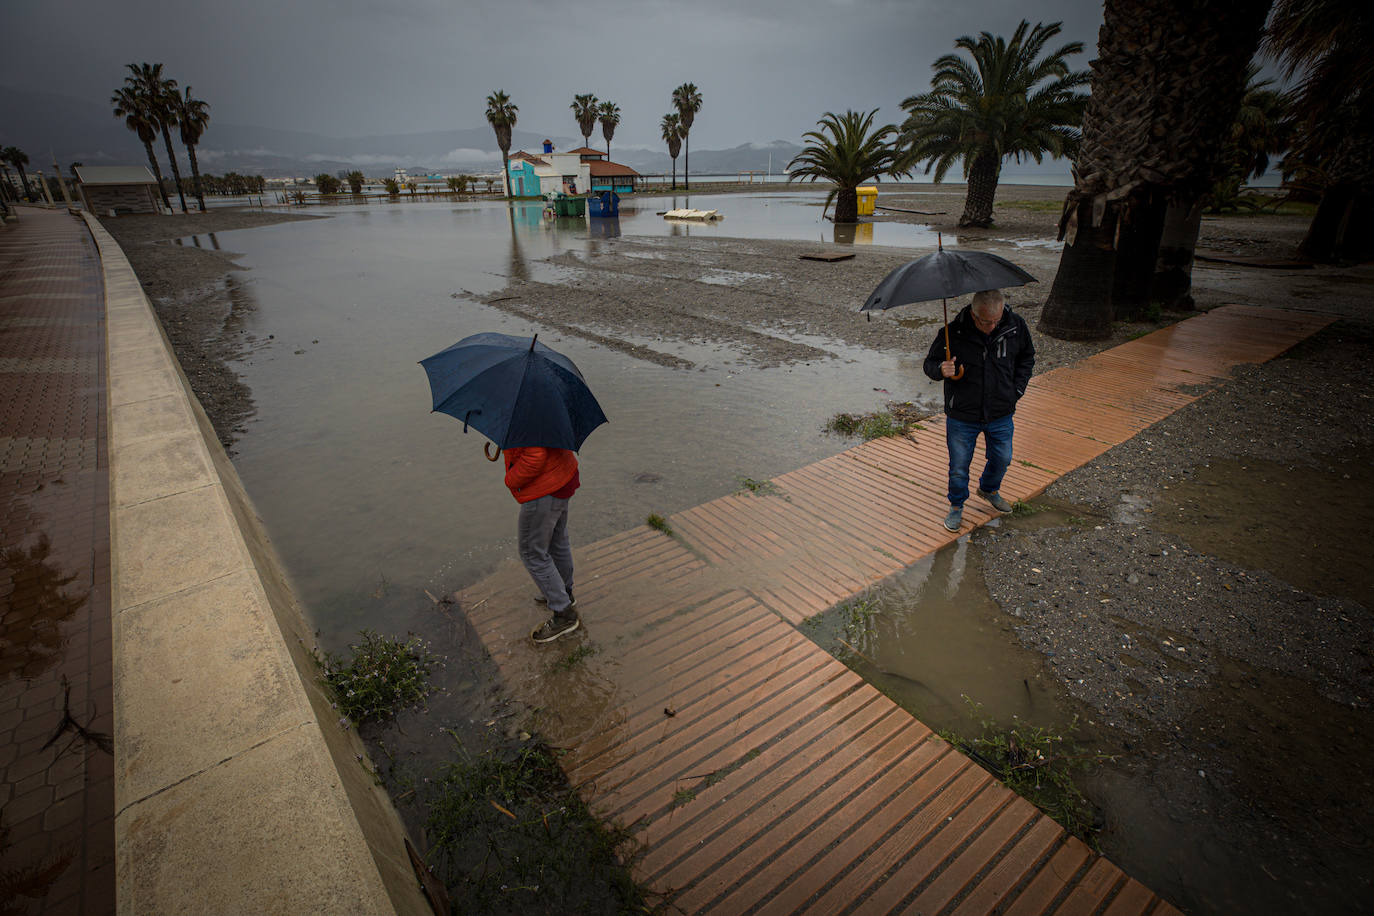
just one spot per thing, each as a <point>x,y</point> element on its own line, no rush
<point>1186,592</point>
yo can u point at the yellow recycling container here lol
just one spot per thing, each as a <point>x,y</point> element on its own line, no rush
<point>868,198</point>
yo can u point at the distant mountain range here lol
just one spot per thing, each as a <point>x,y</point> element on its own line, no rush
<point>43,124</point>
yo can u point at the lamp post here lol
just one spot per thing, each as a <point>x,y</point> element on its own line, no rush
<point>43,183</point>
<point>61,182</point>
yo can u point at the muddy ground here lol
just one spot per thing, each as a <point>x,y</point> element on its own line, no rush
<point>1205,588</point>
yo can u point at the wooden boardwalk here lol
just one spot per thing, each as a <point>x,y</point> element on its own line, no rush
<point>761,774</point>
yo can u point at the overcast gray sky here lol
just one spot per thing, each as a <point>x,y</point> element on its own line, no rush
<point>766,69</point>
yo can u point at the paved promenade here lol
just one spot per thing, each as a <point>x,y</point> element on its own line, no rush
<point>56,765</point>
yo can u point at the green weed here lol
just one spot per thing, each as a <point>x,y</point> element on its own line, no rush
<point>857,616</point>
<point>575,657</point>
<point>658,523</point>
<point>1038,764</point>
<point>509,835</point>
<point>1035,206</point>
<point>758,487</point>
<point>378,677</point>
<point>865,426</point>
<point>1021,509</point>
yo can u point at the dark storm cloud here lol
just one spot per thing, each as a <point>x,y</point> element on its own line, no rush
<point>766,70</point>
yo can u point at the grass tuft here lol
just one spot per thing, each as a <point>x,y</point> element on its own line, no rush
<point>509,835</point>
<point>658,523</point>
<point>1039,764</point>
<point>378,677</point>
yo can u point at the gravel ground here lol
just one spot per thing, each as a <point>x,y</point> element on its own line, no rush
<point>1202,587</point>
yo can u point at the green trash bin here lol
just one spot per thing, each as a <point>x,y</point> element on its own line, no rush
<point>570,206</point>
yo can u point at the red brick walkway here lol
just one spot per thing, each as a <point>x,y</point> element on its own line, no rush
<point>56,722</point>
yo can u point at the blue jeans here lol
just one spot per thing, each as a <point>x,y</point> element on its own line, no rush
<point>962,438</point>
<point>546,551</point>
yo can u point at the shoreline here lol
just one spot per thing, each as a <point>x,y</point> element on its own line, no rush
<point>1204,509</point>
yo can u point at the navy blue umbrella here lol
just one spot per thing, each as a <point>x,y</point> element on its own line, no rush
<point>515,391</point>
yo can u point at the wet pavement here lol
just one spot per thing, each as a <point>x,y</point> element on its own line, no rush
<point>56,711</point>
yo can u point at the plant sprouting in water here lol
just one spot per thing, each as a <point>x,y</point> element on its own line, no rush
<point>509,835</point>
<point>378,677</point>
<point>1038,764</point>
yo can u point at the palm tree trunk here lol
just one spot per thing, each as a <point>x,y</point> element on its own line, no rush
<point>157,173</point>
<point>1326,235</point>
<point>1142,224</point>
<point>176,172</point>
<point>505,164</point>
<point>982,191</point>
<point>24,179</point>
<point>846,206</point>
<point>1173,281</point>
<point>195,175</point>
<point>674,173</point>
<point>686,162</point>
<point>1080,304</point>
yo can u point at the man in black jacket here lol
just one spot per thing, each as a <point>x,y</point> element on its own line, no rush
<point>992,346</point>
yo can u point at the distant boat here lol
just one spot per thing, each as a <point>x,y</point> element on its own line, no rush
<point>692,214</point>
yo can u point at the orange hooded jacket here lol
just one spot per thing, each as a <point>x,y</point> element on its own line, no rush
<point>534,472</point>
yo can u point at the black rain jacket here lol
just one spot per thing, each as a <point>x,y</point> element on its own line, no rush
<point>997,366</point>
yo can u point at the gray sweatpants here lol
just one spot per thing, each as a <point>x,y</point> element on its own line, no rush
<point>546,551</point>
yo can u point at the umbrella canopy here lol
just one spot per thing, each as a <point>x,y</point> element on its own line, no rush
<point>513,390</point>
<point>943,275</point>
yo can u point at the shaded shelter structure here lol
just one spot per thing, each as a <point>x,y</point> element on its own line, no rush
<point>107,190</point>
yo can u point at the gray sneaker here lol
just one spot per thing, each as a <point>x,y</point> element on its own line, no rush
<point>555,627</point>
<point>998,503</point>
<point>955,518</point>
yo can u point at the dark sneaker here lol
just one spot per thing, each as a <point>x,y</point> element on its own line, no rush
<point>955,518</point>
<point>555,627</point>
<point>998,503</point>
<point>540,599</point>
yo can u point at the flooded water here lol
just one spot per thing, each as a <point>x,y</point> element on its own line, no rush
<point>935,641</point>
<point>371,499</point>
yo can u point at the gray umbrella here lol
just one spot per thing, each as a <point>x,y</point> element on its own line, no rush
<point>944,274</point>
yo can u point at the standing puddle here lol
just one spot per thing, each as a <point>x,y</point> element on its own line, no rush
<point>1263,515</point>
<point>931,636</point>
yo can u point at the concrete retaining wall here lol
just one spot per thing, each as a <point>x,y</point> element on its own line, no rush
<point>236,791</point>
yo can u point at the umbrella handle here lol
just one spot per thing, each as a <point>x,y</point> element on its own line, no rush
<point>958,373</point>
<point>486,450</point>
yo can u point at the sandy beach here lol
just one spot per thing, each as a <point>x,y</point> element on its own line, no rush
<point>1204,587</point>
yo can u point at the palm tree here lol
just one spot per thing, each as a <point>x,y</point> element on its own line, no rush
<point>671,130</point>
<point>848,152</point>
<point>687,101</point>
<point>17,158</point>
<point>133,108</point>
<point>159,96</point>
<point>584,110</point>
<point>1327,41</point>
<point>355,180</point>
<point>1165,86</point>
<point>501,115</point>
<point>1261,129</point>
<point>1007,101</point>
<point>609,115</point>
<point>193,116</point>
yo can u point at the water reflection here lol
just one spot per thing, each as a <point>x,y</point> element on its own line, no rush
<point>30,639</point>
<point>195,240</point>
<point>852,233</point>
<point>604,228</point>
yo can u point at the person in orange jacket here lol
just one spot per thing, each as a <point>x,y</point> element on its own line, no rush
<point>543,480</point>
